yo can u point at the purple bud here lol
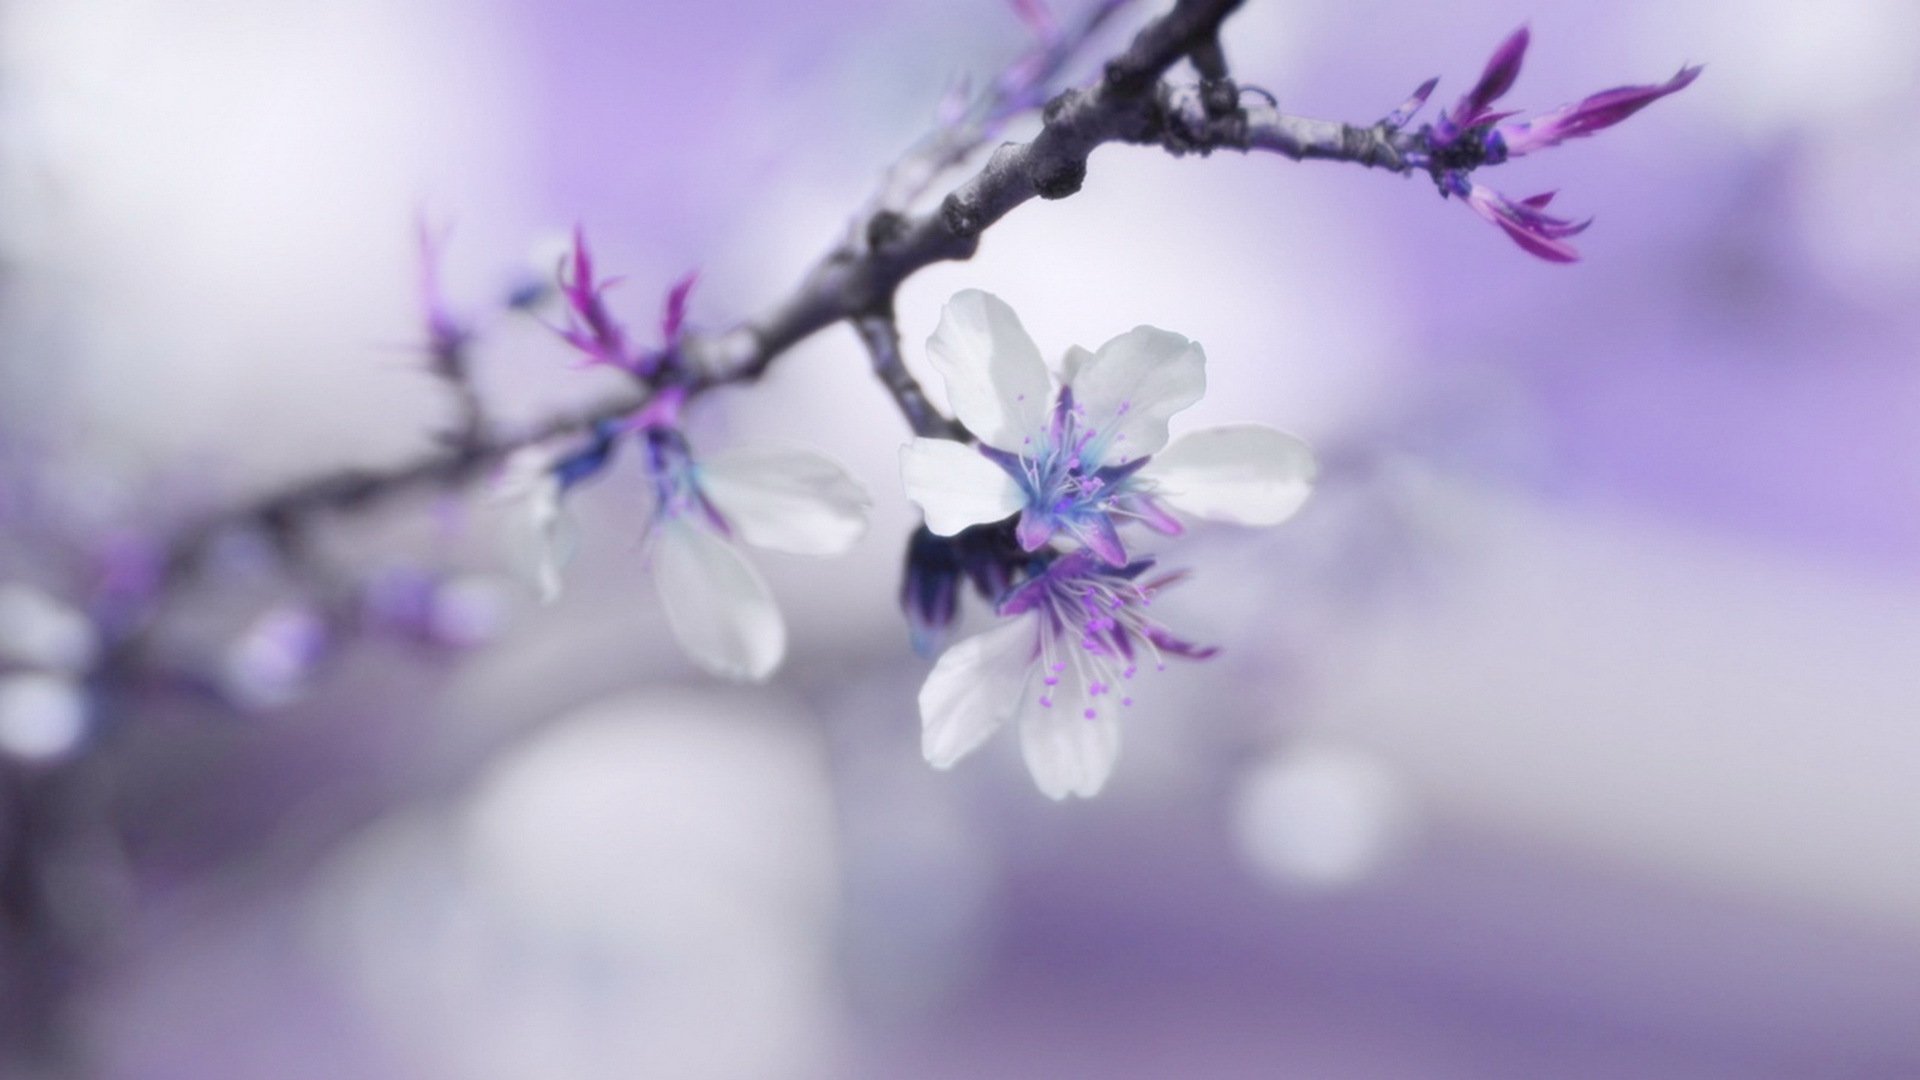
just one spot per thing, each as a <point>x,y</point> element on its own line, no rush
<point>1593,113</point>
<point>590,328</point>
<point>1451,156</point>
<point>447,337</point>
<point>1034,529</point>
<point>590,459</point>
<point>399,599</point>
<point>1098,533</point>
<point>129,567</point>
<point>1038,19</point>
<point>675,316</point>
<point>651,364</point>
<point>1167,643</point>
<point>426,608</point>
<point>987,555</point>
<point>1527,223</point>
<point>1501,71</point>
<point>274,659</point>
<point>930,589</point>
<point>954,103</point>
<point>1400,116</point>
<point>1155,516</point>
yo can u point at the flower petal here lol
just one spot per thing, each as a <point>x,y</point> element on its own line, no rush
<point>1070,364</point>
<point>996,381</point>
<point>973,688</point>
<point>1503,67</point>
<point>541,539</point>
<point>1528,224</point>
<point>787,499</point>
<point>1131,387</point>
<point>1097,534</point>
<point>556,538</point>
<point>1067,751</point>
<point>1596,112</point>
<point>716,603</point>
<point>1248,474</point>
<point>955,486</point>
<point>1400,116</point>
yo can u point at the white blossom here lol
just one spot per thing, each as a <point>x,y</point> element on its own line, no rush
<point>716,603</point>
<point>1060,664</point>
<point>1079,455</point>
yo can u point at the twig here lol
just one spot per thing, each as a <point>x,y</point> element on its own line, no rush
<point>1021,86</point>
<point>881,335</point>
<point>856,281</point>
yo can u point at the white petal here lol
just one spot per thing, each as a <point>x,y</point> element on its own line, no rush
<point>717,604</point>
<point>541,540</point>
<point>787,499</point>
<point>1133,385</point>
<point>973,689</point>
<point>1067,751</point>
<point>555,538</point>
<point>1071,364</point>
<point>523,470</point>
<point>1248,474</point>
<point>955,486</point>
<point>996,381</point>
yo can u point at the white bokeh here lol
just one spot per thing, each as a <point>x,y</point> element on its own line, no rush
<point>1321,816</point>
<point>647,888</point>
<point>42,717</point>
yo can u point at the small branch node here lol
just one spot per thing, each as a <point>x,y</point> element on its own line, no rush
<point>1059,179</point>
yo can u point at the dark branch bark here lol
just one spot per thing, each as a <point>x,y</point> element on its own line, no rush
<point>881,335</point>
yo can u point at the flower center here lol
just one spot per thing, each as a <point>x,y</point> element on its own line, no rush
<point>1094,633</point>
<point>675,478</point>
<point>1065,476</point>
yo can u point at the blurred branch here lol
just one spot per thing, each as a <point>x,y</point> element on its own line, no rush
<point>355,490</point>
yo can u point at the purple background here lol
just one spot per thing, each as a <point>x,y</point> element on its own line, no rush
<point>1569,732</point>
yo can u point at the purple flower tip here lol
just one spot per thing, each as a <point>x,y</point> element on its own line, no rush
<point>1527,223</point>
<point>1038,19</point>
<point>1595,112</point>
<point>988,556</point>
<point>446,335</point>
<point>930,589</point>
<point>1498,78</point>
<point>590,328</point>
<point>1471,134</point>
<point>675,316</point>
<point>1400,116</point>
<point>954,102</point>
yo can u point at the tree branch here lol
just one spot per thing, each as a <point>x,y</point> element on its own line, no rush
<point>856,281</point>
<point>1018,89</point>
<point>881,335</point>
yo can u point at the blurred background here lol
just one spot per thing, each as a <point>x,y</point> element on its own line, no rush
<point>1569,732</point>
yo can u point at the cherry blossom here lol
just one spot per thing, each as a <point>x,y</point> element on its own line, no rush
<point>1060,664</point>
<point>1080,455</point>
<point>717,604</point>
